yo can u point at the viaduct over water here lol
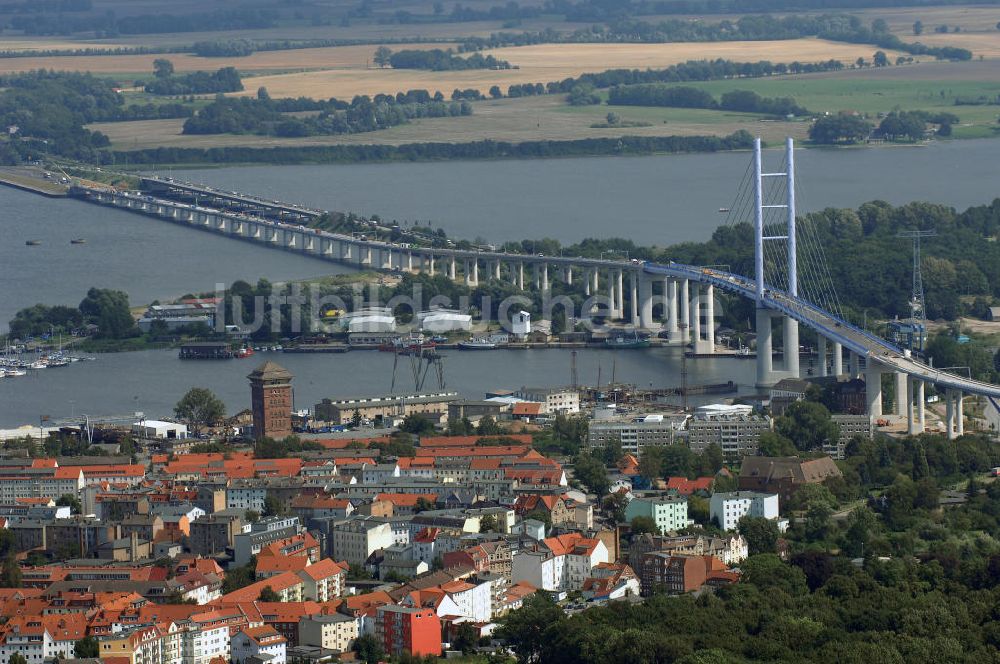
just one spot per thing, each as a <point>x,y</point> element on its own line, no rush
<point>686,292</point>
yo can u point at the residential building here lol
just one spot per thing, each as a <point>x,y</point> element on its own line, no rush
<point>323,581</point>
<point>357,538</point>
<point>257,642</point>
<point>610,581</point>
<point>682,574</point>
<point>262,533</point>
<point>553,400</point>
<point>213,534</point>
<point>737,433</point>
<point>669,513</point>
<point>731,550</point>
<point>334,631</point>
<point>728,508</point>
<point>405,629</point>
<point>782,475</point>
<point>634,433</point>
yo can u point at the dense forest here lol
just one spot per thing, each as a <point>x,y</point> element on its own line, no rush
<point>266,117</point>
<point>226,79</point>
<point>743,101</point>
<point>438,60</point>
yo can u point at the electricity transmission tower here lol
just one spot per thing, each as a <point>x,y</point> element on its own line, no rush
<point>918,307</point>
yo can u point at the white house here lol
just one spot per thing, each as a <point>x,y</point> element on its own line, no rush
<point>541,569</point>
<point>728,508</point>
<point>562,563</point>
<point>474,600</point>
<point>257,641</point>
<point>520,324</point>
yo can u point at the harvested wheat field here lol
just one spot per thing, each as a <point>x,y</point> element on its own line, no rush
<point>334,57</point>
<point>550,62</point>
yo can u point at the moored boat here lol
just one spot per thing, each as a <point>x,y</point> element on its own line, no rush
<point>477,344</point>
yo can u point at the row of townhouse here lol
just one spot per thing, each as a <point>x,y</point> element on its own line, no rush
<point>559,564</point>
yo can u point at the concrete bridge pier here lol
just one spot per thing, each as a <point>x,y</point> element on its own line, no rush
<point>703,305</point>
<point>633,298</point>
<point>673,328</point>
<point>710,317</point>
<point>612,302</point>
<point>520,275</point>
<point>921,406</point>
<point>684,317</point>
<point>496,270</point>
<point>475,271</point>
<point>620,293</point>
<point>588,283</point>
<point>545,277</point>
<point>594,287</point>
<point>837,351</point>
<point>366,256</point>
<point>429,264</point>
<point>873,390</point>
<point>854,362</point>
<point>568,275</point>
<point>954,417</point>
<point>821,355</point>
<point>646,308</point>
<point>346,250</point>
<point>791,346</point>
<point>766,376</point>
<point>451,269</point>
<point>696,319</point>
<point>467,272</point>
<point>901,392</point>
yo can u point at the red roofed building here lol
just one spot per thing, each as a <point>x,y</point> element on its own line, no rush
<point>686,487</point>
<point>257,641</point>
<point>553,505</point>
<point>527,410</point>
<point>323,581</point>
<point>407,503</point>
<point>611,581</point>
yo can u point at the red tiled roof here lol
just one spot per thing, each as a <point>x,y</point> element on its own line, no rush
<point>466,441</point>
<point>526,409</point>
<point>407,499</point>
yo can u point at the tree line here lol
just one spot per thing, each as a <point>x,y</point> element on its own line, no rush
<point>658,94</point>
<point>486,149</point>
<point>264,116</point>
